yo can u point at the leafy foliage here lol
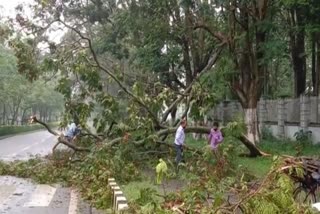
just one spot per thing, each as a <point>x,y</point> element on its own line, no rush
<point>127,62</point>
<point>90,175</point>
<point>15,102</point>
<point>303,136</point>
<point>11,130</point>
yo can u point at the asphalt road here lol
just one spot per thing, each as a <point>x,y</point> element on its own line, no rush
<point>22,196</point>
<point>24,146</point>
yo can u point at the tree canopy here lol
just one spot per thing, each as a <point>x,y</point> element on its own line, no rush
<point>140,62</point>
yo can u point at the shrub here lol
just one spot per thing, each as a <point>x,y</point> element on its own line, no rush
<point>10,130</point>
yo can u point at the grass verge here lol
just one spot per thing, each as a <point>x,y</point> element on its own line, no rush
<point>10,130</point>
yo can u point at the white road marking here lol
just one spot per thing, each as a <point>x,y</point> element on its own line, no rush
<point>73,202</point>
<point>5,192</point>
<point>41,197</point>
<point>28,147</point>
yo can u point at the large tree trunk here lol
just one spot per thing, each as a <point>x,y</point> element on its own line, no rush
<point>50,116</point>
<point>41,113</point>
<point>251,121</point>
<point>4,115</point>
<point>313,65</point>
<point>317,68</point>
<point>254,151</point>
<point>23,116</point>
<point>297,43</point>
<point>15,113</point>
<point>249,103</point>
<point>173,115</point>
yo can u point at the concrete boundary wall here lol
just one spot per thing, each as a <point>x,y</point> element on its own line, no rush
<point>284,117</point>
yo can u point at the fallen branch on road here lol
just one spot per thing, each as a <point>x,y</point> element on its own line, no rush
<point>61,138</point>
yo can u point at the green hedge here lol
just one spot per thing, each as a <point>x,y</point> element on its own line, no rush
<point>9,130</point>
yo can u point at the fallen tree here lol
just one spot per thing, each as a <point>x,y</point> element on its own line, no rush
<point>278,188</point>
<point>93,70</point>
<point>60,137</point>
<point>254,151</point>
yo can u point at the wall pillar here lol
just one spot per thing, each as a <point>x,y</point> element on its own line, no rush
<point>234,109</point>
<point>221,112</point>
<point>304,112</point>
<point>281,118</point>
<point>262,115</point>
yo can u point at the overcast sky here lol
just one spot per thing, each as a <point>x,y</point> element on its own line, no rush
<point>7,8</point>
<point>9,5</point>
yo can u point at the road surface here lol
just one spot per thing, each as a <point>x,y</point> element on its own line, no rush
<point>21,196</point>
<point>24,146</point>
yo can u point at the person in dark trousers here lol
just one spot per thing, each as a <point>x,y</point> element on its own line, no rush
<point>179,140</point>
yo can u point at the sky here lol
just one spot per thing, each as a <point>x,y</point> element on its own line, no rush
<point>9,5</point>
<point>7,8</point>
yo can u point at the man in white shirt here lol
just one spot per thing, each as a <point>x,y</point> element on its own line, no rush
<point>179,140</point>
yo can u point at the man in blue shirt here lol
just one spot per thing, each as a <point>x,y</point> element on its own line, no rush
<point>72,132</point>
<point>179,140</point>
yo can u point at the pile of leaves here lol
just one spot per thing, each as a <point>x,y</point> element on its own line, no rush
<point>90,175</point>
<point>215,185</point>
<point>224,187</point>
<point>237,194</point>
<point>123,161</point>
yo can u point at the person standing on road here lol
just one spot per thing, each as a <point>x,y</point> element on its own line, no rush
<point>179,140</point>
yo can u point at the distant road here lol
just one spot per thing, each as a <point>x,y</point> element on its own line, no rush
<point>24,146</point>
<point>20,196</point>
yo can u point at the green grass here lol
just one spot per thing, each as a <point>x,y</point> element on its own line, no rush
<point>132,189</point>
<point>257,166</point>
<point>10,130</point>
<point>260,166</point>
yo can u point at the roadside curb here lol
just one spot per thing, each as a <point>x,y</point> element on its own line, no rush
<point>119,201</point>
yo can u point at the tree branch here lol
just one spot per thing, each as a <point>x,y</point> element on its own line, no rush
<point>61,138</point>
<point>121,85</point>
<point>211,62</point>
<point>89,133</point>
<point>217,35</point>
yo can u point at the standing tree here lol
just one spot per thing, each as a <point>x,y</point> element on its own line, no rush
<point>297,34</point>
<point>247,26</point>
<point>155,51</point>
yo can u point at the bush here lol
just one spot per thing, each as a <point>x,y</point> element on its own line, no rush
<point>303,136</point>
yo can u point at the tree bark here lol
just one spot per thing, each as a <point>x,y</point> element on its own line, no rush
<point>23,116</point>
<point>4,114</point>
<point>313,65</point>
<point>297,43</point>
<point>317,68</point>
<point>173,115</point>
<point>15,110</point>
<point>251,121</point>
<point>248,56</point>
<point>254,151</point>
<point>50,116</point>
